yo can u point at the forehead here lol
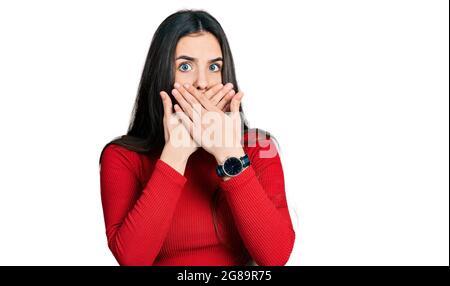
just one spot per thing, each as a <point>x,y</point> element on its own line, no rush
<point>201,46</point>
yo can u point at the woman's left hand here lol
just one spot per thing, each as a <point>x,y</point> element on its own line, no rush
<point>218,133</point>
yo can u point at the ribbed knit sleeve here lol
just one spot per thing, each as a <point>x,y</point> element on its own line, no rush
<point>137,218</point>
<point>258,204</point>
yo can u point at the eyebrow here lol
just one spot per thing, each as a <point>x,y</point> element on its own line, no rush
<point>195,60</point>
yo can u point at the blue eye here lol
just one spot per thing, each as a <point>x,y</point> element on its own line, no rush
<point>184,67</point>
<point>214,67</point>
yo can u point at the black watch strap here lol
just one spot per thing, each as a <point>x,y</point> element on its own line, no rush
<point>245,163</point>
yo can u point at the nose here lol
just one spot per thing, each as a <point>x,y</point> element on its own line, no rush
<point>201,82</point>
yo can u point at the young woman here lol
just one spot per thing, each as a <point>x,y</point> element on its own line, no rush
<point>198,202</point>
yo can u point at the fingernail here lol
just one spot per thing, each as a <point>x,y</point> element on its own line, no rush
<point>176,85</point>
<point>186,85</point>
<point>162,95</point>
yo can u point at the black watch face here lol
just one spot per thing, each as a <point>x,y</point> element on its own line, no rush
<point>232,166</point>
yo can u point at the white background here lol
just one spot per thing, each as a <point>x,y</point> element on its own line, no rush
<point>356,92</point>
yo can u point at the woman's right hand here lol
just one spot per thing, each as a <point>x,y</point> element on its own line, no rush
<point>177,138</point>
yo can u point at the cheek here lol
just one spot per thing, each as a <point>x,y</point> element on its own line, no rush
<point>182,78</point>
<point>215,78</point>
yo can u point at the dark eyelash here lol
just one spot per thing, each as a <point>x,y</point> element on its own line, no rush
<point>219,65</point>
<point>183,64</point>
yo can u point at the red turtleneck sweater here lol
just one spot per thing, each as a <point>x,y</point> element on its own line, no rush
<point>156,216</point>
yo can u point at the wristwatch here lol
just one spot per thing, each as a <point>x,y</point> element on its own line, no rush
<point>233,166</point>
